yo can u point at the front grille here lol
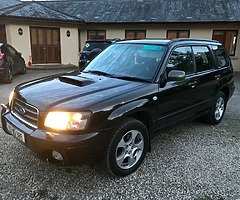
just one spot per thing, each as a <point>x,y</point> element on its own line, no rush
<point>25,112</point>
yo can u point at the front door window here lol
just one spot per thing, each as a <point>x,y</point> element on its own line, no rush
<point>181,59</point>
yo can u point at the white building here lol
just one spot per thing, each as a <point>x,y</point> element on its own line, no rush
<point>54,32</point>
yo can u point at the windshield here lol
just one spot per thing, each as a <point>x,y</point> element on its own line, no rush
<point>138,61</point>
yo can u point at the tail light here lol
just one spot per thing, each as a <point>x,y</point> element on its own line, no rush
<point>1,55</point>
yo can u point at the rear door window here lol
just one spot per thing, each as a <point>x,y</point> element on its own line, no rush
<point>181,59</point>
<point>203,58</point>
<point>221,56</point>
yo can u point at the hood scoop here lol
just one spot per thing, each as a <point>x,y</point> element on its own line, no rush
<point>74,80</point>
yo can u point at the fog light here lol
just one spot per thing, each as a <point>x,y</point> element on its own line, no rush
<point>57,155</point>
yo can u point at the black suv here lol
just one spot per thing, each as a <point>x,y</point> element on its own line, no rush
<point>11,63</point>
<point>92,48</point>
<point>130,91</point>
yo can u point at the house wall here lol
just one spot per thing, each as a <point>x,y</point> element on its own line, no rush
<point>160,31</point>
<point>83,38</point>
<point>20,42</point>
<point>112,33</point>
<point>156,33</point>
<point>69,46</point>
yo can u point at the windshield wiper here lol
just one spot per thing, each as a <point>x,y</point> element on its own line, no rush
<point>101,73</point>
<point>132,78</point>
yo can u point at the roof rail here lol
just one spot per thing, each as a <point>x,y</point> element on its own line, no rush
<point>192,39</point>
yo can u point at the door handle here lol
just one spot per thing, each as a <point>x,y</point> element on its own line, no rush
<point>193,84</point>
<point>218,76</point>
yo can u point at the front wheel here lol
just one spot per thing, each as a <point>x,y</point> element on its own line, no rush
<point>217,111</point>
<point>127,148</point>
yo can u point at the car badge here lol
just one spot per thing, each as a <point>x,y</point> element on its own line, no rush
<point>22,111</point>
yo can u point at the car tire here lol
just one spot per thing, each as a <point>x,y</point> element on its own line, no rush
<point>127,148</point>
<point>23,70</point>
<point>217,110</point>
<point>9,75</point>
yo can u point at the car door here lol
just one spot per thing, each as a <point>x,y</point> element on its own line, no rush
<point>16,63</point>
<point>176,99</point>
<point>208,76</point>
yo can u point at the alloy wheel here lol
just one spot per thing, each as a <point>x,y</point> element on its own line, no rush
<point>219,109</point>
<point>130,149</point>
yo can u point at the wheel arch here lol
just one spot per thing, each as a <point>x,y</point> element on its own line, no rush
<point>225,90</point>
<point>140,115</point>
<point>136,110</point>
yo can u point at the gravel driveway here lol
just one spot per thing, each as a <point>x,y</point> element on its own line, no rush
<point>191,161</point>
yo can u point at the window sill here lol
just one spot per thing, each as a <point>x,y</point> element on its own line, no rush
<point>234,58</point>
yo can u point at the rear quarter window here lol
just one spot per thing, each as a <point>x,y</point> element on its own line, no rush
<point>221,56</point>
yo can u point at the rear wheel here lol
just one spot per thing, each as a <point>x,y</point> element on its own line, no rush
<point>217,111</point>
<point>127,148</point>
<point>9,75</point>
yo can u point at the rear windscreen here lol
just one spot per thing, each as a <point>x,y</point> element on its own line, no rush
<point>89,46</point>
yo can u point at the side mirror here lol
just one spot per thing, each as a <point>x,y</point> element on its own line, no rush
<point>176,75</point>
<point>94,53</point>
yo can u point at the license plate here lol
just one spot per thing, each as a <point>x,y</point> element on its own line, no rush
<point>16,133</point>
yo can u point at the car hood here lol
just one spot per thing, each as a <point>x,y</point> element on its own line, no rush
<point>65,91</point>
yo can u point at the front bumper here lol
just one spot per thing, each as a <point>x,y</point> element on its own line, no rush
<point>73,148</point>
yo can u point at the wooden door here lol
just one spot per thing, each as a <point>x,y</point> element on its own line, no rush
<point>45,44</point>
<point>3,34</point>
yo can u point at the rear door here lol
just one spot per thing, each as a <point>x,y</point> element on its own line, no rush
<point>207,74</point>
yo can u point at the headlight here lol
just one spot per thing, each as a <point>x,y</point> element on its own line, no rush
<point>67,120</point>
<point>11,96</point>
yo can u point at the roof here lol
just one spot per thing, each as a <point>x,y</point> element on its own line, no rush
<point>35,10</point>
<point>150,11</point>
<point>126,11</point>
<point>8,3</point>
<point>161,41</point>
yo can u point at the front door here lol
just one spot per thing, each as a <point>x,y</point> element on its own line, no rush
<point>176,99</point>
<point>45,44</point>
<point>3,34</point>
